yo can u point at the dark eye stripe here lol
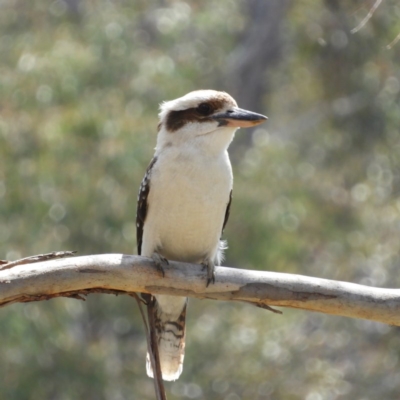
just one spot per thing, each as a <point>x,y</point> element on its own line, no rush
<point>177,119</point>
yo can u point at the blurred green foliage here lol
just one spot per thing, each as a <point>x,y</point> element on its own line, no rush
<point>316,193</point>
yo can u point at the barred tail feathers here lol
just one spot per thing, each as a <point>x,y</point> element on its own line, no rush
<point>170,316</point>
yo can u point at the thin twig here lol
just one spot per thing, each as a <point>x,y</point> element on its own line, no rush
<point>267,307</point>
<point>368,17</point>
<point>38,258</point>
<point>74,294</point>
<point>154,357</point>
<point>393,42</point>
<point>157,375</point>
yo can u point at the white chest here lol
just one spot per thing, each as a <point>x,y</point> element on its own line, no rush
<point>186,206</point>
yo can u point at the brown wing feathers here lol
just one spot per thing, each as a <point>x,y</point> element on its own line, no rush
<point>227,212</point>
<point>142,205</point>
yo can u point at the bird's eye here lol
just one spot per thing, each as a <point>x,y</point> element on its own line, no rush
<point>204,109</point>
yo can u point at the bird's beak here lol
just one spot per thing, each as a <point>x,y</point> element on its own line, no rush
<point>238,118</point>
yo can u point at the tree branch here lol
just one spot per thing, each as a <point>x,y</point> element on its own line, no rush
<point>126,274</point>
<point>371,12</point>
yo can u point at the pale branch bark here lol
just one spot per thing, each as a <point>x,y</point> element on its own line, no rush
<point>125,274</point>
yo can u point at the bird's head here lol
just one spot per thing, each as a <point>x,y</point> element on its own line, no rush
<point>204,119</point>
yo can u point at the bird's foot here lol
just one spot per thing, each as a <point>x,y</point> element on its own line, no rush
<point>210,271</point>
<point>160,262</point>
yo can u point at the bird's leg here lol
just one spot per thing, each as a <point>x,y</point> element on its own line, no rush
<point>210,271</point>
<point>160,262</point>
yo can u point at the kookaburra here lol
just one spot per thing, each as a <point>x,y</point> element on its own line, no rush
<point>184,200</point>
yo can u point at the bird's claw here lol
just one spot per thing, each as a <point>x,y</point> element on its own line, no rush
<point>210,271</point>
<point>160,262</point>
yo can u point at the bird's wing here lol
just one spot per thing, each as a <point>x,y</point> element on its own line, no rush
<point>142,205</point>
<point>227,212</point>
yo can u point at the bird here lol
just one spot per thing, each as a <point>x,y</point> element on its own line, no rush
<point>184,201</point>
